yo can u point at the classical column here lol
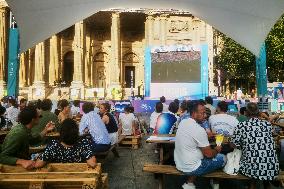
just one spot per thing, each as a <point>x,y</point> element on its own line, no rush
<point>196,25</point>
<point>77,85</point>
<point>115,51</point>
<point>149,29</point>
<point>22,71</point>
<point>4,13</point>
<point>38,89</point>
<point>163,28</point>
<point>88,63</point>
<point>54,60</point>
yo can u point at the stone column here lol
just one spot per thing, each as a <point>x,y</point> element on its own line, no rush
<point>149,29</point>
<point>22,71</point>
<point>4,17</point>
<point>115,53</point>
<point>38,88</point>
<point>88,63</point>
<point>163,28</point>
<point>54,60</point>
<point>77,85</point>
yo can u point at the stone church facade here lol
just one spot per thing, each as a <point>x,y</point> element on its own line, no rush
<point>100,53</point>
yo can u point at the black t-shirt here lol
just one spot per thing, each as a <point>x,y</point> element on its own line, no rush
<point>111,126</point>
<point>2,122</point>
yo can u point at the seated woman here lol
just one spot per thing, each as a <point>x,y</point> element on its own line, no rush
<point>65,111</point>
<point>69,149</point>
<point>109,122</point>
<point>127,122</point>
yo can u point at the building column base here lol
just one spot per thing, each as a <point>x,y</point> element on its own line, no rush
<point>37,90</point>
<point>77,90</point>
<point>3,89</point>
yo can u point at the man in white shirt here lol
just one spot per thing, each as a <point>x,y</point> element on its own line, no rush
<point>193,154</point>
<point>12,112</point>
<point>209,104</point>
<point>222,123</point>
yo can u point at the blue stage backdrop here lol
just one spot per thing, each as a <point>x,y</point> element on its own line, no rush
<point>179,71</point>
<point>13,62</point>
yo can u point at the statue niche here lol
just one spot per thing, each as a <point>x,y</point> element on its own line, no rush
<point>100,62</point>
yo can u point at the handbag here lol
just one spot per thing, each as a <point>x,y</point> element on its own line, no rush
<point>233,162</point>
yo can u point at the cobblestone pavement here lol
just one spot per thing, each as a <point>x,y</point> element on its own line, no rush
<point>126,172</point>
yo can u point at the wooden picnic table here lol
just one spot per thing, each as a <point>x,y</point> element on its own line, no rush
<point>36,149</point>
<point>164,141</point>
<point>53,134</point>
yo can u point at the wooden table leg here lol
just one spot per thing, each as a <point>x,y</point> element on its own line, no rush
<point>161,181</point>
<point>161,155</point>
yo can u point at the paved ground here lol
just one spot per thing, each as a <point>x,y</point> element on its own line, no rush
<point>126,172</point>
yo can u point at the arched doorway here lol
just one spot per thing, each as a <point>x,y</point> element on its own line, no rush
<point>68,67</point>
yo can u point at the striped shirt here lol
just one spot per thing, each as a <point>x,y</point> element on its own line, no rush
<point>96,127</point>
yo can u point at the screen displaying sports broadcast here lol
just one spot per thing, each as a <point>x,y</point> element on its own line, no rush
<point>176,67</point>
<point>177,71</point>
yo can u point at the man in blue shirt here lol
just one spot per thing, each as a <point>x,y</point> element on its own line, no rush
<point>91,123</point>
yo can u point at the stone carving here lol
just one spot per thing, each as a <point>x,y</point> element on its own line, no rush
<point>130,58</point>
<point>101,57</point>
<point>178,26</point>
<point>101,77</point>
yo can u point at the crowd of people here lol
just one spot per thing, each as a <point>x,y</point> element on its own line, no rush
<point>30,122</point>
<point>251,132</point>
<point>195,123</point>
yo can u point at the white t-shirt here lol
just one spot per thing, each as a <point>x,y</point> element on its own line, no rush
<point>165,107</point>
<point>12,114</point>
<point>126,121</point>
<point>212,108</point>
<point>223,124</point>
<point>75,110</point>
<point>190,137</point>
<point>153,119</point>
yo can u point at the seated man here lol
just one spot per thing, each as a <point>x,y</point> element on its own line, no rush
<point>193,154</point>
<point>46,117</point>
<point>15,148</point>
<point>92,123</point>
<point>166,122</point>
<point>221,122</point>
<point>254,137</point>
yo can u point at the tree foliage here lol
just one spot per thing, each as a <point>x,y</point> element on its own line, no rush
<point>236,62</point>
<point>275,52</point>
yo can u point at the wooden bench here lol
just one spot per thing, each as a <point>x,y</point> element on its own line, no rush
<point>54,175</point>
<point>161,170</point>
<point>130,141</point>
<point>102,155</point>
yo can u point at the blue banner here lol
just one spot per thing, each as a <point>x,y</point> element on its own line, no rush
<point>261,74</point>
<point>13,62</point>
